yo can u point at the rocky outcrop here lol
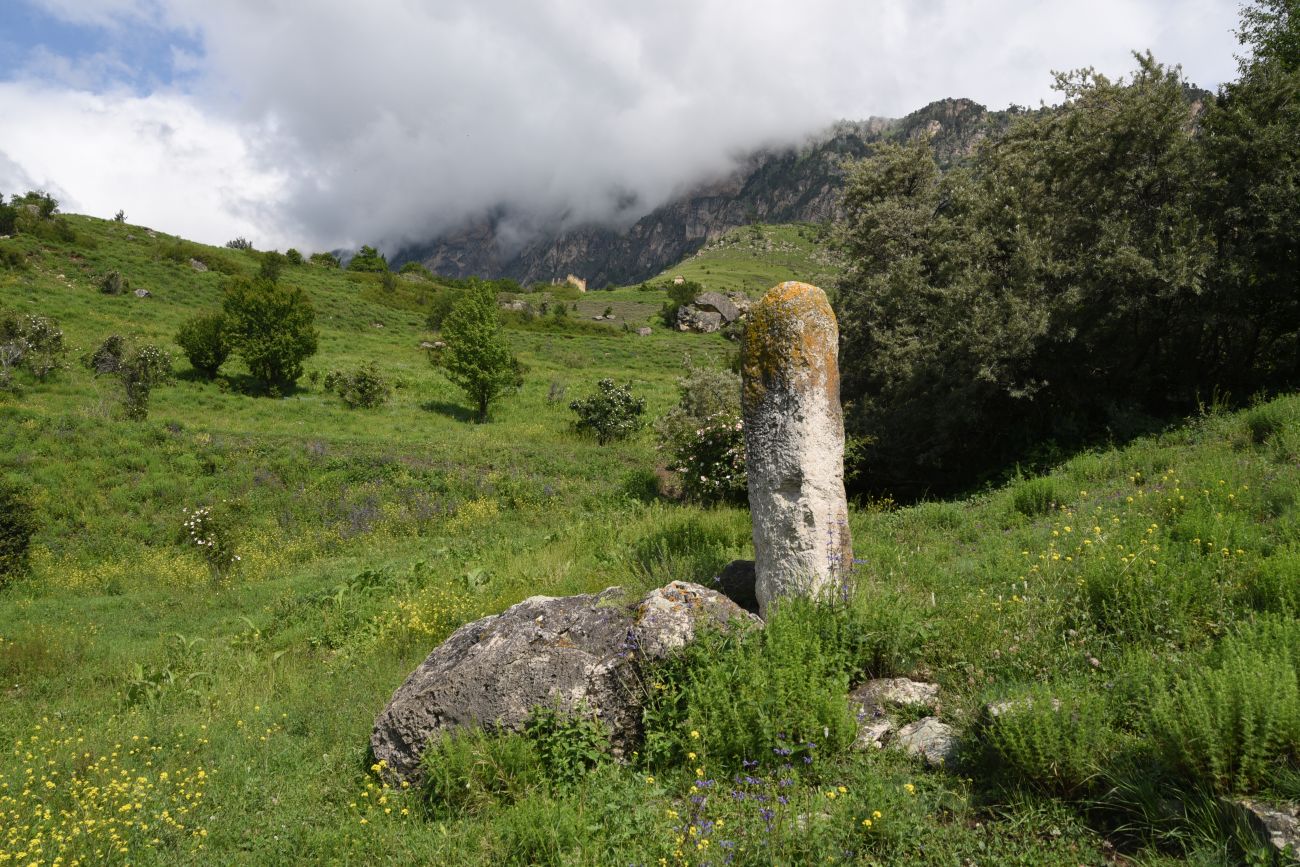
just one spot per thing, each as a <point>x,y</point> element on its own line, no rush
<point>794,444</point>
<point>579,653</point>
<point>1275,825</point>
<point>930,739</point>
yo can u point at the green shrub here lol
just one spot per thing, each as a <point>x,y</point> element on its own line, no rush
<point>114,283</point>
<point>473,771</point>
<point>363,388</point>
<point>1035,497</point>
<point>1057,738</point>
<point>272,264</point>
<point>612,413</point>
<point>272,328</point>
<point>240,243</point>
<point>328,260</point>
<point>205,343</point>
<point>140,368</point>
<point>17,527</point>
<point>211,535</point>
<point>702,436</point>
<point>1229,724</point>
<point>440,306</point>
<point>8,217</point>
<point>569,744</point>
<point>368,259</point>
<point>293,256</point>
<point>1273,583</point>
<point>29,342</point>
<point>750,695</point>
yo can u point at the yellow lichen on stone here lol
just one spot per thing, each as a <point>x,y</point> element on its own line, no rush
<point>791,329</point>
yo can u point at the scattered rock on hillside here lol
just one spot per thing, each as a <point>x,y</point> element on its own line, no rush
<point>934,741</point>
<point>692,318</point>
<point>736,582</point>
<point>578,652</point>
<point>644,332</point>
<point>1277,825</point>
<point>143,293</point>
<point>197,265</point>
<point>720,304</point>
<point>876,694</point>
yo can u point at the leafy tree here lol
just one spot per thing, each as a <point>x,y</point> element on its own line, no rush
<point>1252,139</point>
<point>272,328</point>
<point>205,341</point>
<point>368,259</point>
<point>1034,297</point>
<point>240,243</point>
<point>293,256</point>
<point>612,413</point>
<point>272,264</point>
<point>477,357</point>
<point>329,260</point>
<point>441,306</point>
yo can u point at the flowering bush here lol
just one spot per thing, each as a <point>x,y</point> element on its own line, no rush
<point>612,413</point>
<point>212,537</point>
<point>711,462</point>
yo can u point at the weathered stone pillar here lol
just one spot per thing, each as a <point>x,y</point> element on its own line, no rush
<point>794,444</point>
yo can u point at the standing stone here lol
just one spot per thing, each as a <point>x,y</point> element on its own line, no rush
<point>794,444</point>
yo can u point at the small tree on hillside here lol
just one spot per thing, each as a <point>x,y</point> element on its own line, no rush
<point>368,259</point>
<point>272,328</point>
<point>205,343</point>
<point>138,367</point>
<point>477,357</point>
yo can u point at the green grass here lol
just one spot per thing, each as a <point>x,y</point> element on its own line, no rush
<point>368,535</point>
<point>753,259</point>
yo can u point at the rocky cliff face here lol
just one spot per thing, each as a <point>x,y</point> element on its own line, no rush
<point>794,185</point>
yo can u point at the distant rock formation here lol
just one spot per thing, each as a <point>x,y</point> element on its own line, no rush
<point>797,184</point>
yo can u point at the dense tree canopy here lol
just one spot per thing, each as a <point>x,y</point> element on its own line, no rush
<point>1100,265</point>
<point>272,328</point>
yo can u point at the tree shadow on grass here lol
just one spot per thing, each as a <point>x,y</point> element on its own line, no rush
<point>451,410</point>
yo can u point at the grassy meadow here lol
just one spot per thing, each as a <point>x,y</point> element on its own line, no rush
<point>1139,598</point>
<point>753,258</point>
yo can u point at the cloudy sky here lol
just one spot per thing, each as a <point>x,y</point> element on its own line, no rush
<point>332,123</point>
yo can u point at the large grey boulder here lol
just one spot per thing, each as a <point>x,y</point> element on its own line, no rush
<point>577,653</point>
<point>692,318</point>
<point>718,303</point>
<point>794,444</point>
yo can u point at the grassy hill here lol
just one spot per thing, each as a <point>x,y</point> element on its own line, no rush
<point>754,258</point>
<point>156,718</point>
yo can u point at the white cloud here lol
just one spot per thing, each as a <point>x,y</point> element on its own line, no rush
<point>160,158</point>
<point>391,120</point>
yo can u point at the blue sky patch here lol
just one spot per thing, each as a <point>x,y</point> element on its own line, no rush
<point>135,54</point>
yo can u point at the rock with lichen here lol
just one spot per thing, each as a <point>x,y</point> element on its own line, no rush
<point>794,444</point>
<point>580,654</point>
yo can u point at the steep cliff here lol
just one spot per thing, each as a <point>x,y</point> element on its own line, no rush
<point>793,185</point>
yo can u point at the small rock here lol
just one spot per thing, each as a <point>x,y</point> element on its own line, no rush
<point>143,293</point>
<point>872,734</point>
<point>197,265</point>
<point>934,741</point>
<point>644,332</point>
<point>692,318</point>
<point>895,690</point>
<point>1277,825</point>
<point>376,325</point>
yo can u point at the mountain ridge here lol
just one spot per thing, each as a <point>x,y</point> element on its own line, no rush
<point>798,184</point>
